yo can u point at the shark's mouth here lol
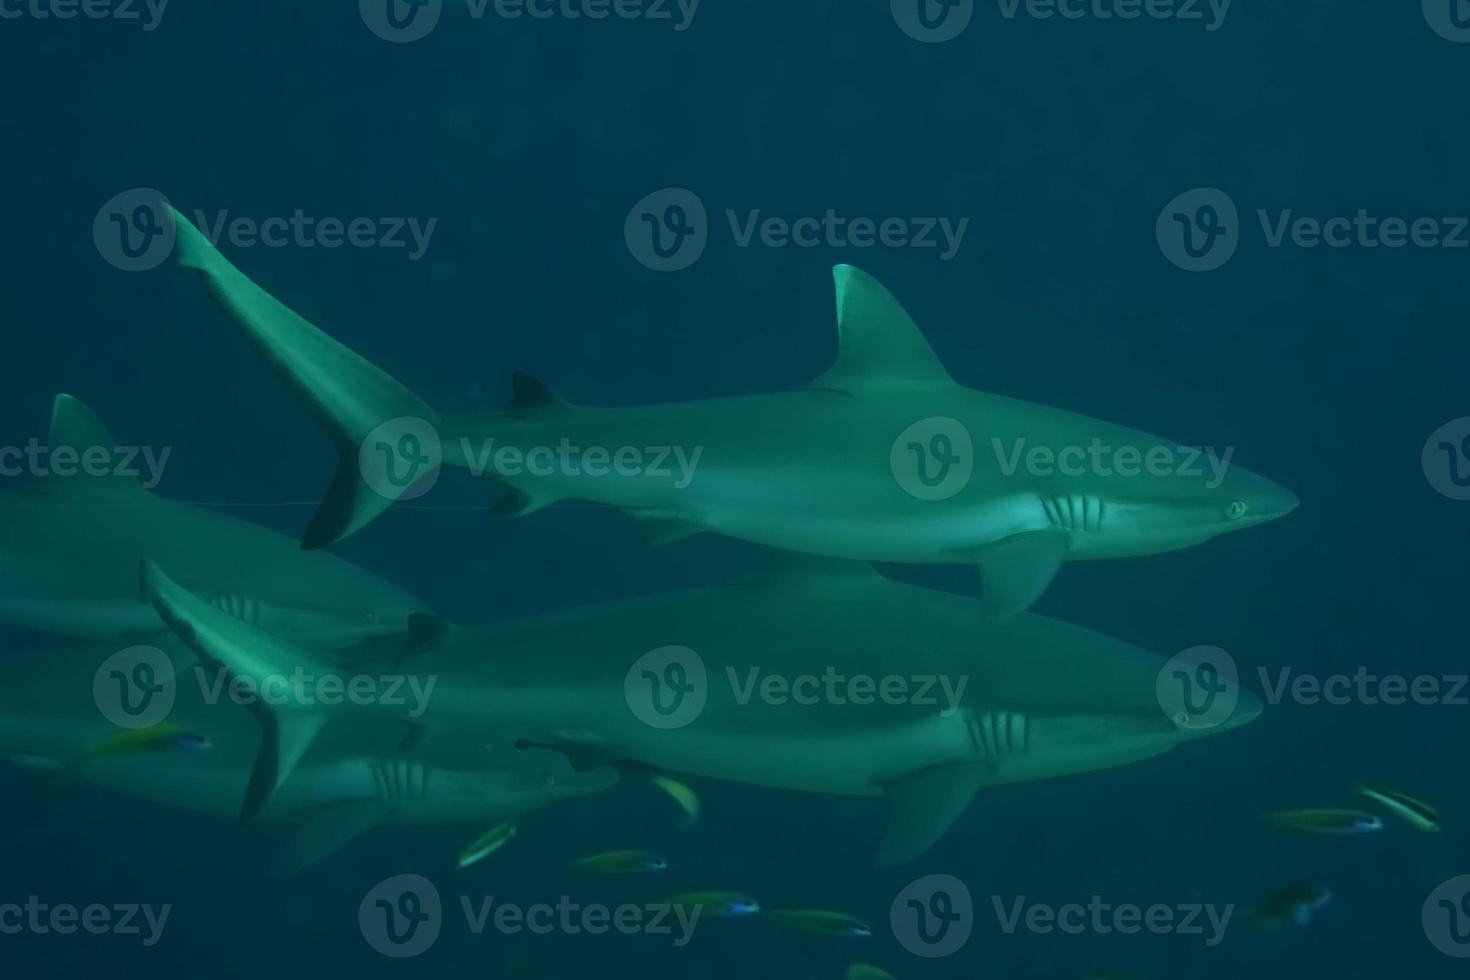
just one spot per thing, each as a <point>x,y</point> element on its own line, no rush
<point>1075,511</point>
<point>999,735</point>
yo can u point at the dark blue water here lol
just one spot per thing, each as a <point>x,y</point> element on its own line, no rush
<point>1061,140</point>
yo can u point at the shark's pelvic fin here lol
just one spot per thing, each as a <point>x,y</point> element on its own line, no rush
<point>879,343</point>
<point>1015,571</point>
<point>249,654</point>
<point>924,806</point>
<point>327,831</point>
<point>347,395</point>
<point>659,529</point>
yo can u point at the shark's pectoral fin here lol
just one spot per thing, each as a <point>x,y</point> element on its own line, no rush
<point>251,655</point>
<point>348,396</point>
<point>585,754</point>
<point>1015,571</point>
<point>327,831</point>
<point>878,342</point>
<point>923,806</point>
<point>658,528</point>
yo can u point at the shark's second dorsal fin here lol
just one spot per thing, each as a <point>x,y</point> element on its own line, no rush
<point>878,342</point>
<point>531,396</point>
<point>77,429</point>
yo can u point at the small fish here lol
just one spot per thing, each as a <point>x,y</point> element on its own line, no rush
<point>687,799</point>
<point>1296,903</point>
<point>717,904</point>
<point>620,863</point>
<point>146,741</point>
<point>1418,814</point>
<point>1327,821</point>
<point>815,922</point>
<point>866,971</point>
<point>493,840</point>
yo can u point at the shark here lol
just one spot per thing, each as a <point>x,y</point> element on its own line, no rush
<point>355,780</point>
<point>71,545</point>
<point>884,457</point>
<point>816,675</point>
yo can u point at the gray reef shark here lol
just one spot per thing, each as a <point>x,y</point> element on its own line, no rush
<point>883,458</point>
<point>356,777</point>
<point>71,544</point>
<point>818,675</point>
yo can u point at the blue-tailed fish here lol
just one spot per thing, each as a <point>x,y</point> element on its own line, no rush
<point>716,904</point>
<point>488,843</point>
<point>1296,904</point>
<point>686,798</point>
<point>1416,813</point>
<point>866,971</point>
<point>818,922</point>
<point>884,457</point>
<point>1327,821</point>
<point>620,863</point>
<point>161,738</point>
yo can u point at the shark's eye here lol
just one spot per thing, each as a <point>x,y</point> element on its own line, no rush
<point>371,618</point>
<point>1235,511</point>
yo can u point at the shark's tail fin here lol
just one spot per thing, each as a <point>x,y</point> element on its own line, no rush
<point>348,396</point>
<point>257,658</point>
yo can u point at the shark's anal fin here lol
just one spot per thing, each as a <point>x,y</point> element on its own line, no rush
<point>246,653</point>
<point>1015,571</point>
<point>923,806</point>
<point>879,343</point>
<point>327,831</point>
<point>348,396</point>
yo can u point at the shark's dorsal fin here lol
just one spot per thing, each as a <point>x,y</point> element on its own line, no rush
<point>76,428</point>
<point>531,396</point>
<point>878,342</point>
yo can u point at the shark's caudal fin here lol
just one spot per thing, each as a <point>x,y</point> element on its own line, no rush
<point>252,655</point>
<point>347,395</point>
<point>923,807</point>
<point>878,342</point>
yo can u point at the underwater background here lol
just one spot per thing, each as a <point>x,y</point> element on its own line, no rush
<point>1062,141</point>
